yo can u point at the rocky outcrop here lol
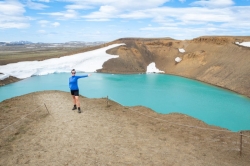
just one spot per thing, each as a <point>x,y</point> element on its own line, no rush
<point>214,40</point>
<point>8,80</point>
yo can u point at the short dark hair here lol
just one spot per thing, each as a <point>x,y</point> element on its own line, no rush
<point>73,70</point>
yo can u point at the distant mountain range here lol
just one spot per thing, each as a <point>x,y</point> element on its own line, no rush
<point>16,43</point>
<point>13,43</point>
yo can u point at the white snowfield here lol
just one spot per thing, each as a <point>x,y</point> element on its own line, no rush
<point>83,62</point>
<point>246,44</point>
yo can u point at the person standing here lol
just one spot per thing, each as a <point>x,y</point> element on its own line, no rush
<point>73,85</point>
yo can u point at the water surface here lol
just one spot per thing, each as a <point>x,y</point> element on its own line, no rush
<point>162,93</point>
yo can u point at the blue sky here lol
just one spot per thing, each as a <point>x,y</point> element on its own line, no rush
<point>107,20</point>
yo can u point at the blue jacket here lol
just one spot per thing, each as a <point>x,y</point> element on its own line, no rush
<point>73,85</point>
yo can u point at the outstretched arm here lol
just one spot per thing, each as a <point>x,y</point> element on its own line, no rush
<point>82,76</point>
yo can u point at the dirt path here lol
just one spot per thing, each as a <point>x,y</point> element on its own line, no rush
<point>101,135</point>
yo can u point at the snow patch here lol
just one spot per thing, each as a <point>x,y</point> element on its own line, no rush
<point>3,76</point>
<point>151,68</point>
<point>246,44</point>
<point>178,59</point>
<point>181,50</point>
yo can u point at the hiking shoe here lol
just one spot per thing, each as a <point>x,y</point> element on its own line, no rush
<point>74,108</point>
<point>79,111</point>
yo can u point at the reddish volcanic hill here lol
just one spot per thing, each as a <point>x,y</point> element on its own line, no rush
<point>215,60</point>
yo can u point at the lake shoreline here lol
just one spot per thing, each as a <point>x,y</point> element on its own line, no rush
<point>12,79</point>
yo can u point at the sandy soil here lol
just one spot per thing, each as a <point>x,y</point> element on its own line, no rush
<point>109,135</point>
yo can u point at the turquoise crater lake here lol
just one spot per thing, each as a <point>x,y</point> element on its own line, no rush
<point>162,93</point>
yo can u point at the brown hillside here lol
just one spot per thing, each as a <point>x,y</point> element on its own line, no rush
<point>215,60</point>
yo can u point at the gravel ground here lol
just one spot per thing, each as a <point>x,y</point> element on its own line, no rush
<point>109,135</point>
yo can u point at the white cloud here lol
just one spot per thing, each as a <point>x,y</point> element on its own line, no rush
<point>187,22</point>
<point>137,5</point>
<point>206,17</point>
<point>185,32</point>
<point>12,15</point>
<point>33,5</point>
<point>46,23</point>
<point>109,8</point>
<point>8,25</point>
<point>98,20</point>
<point>105,12</point>
<point>214,3</point>
<point>43,23</point>
<point>233,17</point>
<point>150,9</point>
<point>11,8</point>
<point>69,14</point>
<point>130,9</point>
<point>78,6</point>
<point>124,5</point>
<point>43,1</point>
<point>41,31</point>
<point>56,24</point>
<point>136,15</point>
